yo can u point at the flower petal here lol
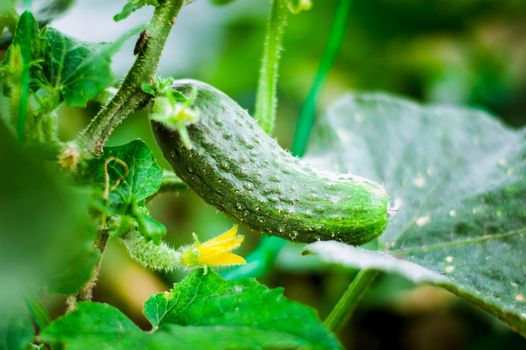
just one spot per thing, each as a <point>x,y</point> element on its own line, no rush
<point>227,259</point>
<point>225,241</point>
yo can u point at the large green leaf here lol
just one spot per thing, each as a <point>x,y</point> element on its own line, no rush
<point>457,178</point>
<point>209,300</point>
<point>203,311</point>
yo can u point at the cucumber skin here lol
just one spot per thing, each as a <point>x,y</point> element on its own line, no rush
<point>235,166</point>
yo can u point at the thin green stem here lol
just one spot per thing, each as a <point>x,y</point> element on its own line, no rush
<point>130,96</point>
<point>308,111</point>
<point>349,300</point>
<point>266,100</point>
<point>86,293</point>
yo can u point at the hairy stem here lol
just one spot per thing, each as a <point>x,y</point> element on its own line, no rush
<point>86,293</point>
<point>130,96</point>
<point>350,298</point>
<point>266,101</point>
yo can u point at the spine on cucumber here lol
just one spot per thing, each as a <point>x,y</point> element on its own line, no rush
<point>235,166</point>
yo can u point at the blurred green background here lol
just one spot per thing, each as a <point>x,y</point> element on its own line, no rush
<point>465,52</point>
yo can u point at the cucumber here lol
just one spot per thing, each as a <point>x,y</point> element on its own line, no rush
<point>235,166</point>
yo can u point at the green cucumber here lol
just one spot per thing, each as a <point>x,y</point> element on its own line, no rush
<point>235,166</point>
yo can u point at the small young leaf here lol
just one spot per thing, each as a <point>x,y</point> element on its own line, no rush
<point>124,177</point>
<point>128,173</point>
<point>457,180</point>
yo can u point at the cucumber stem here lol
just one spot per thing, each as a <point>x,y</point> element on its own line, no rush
<point>130,96</point>
<point>349,300</point>
<point>266,101</point>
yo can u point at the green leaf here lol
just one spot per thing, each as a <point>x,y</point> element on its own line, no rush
<point>458,180</point>
<point>45,68</point>
<point>16,330</point>
<point>46,233</point>
<point>127,175</point>
<point>132,6</point>
<point>69,70</point>
<point>202,312</point>
<point>92,325</point>
<point>131,169</point>
<point>62,68</point>
<point>208,300</point>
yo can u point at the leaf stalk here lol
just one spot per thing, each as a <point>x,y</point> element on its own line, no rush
<point>342,311</point>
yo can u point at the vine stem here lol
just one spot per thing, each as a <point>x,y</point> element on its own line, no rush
<point>86,293</point>
<point>349,300</point>
<point>130,96</point>
<point>266,100</point>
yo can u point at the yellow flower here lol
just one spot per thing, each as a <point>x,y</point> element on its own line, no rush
<point>214,252</point>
